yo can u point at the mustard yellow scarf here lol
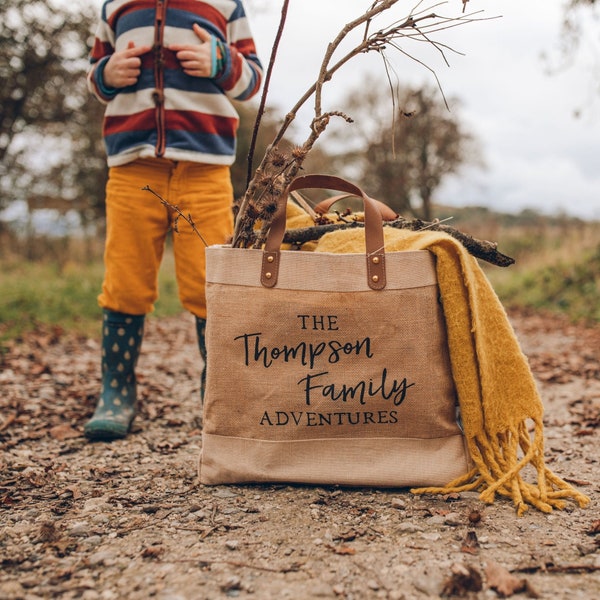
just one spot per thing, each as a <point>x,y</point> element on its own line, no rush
<point>499,401</point>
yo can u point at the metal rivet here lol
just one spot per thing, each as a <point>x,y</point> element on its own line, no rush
<point>376,260</point>
<point>270,259</point>
<point>375,278</point>
<point>268,275</point>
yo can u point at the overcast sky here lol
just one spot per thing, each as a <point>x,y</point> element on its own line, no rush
<point>539,154</point>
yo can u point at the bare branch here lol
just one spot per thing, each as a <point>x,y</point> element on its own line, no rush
<point>188,219</point>
<point>487,251</point>
<point>263,100</point>
<point>270,179</point>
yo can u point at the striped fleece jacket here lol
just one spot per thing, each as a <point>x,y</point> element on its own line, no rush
<point>168,113</point>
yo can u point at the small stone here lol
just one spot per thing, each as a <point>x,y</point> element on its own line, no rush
<point>408,527</point>
<point>372,585</point>
<point>587,549</point>
<point>100,519</point>
<point>11,589</point>
<point>80,529</point>
<point>93,540</point>
<point>320,590</point>
<point>437,520</point>
<point>234,583</point>
<point>29,582</point>
<point>398,504</point>
<point>225,493</point>
<point>103,557</point>
<point>428,581</point>
<point>454,519</point>
<point>232,544</point>
<point>230,510</point>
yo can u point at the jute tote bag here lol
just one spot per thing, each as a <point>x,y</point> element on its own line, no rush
<point>327,368</point>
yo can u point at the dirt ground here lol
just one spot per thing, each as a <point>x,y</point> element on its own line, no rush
<point>129,519</point>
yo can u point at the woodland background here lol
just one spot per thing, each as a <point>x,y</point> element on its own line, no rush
<point>52,175</point>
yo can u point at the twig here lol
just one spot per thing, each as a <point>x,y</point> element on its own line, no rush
<point>482,249</point>
<point>234,563</point>
<point>265,92</point>
<point>559,569</point>
<point>11,418</point>
<point>299,199</point>
<point>176,209</point>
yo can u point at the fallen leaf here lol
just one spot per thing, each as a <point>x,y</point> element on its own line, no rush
<point>347,536</point>
<point>580,482</point>
<point>39,369</point>
<point>342,550</point>
<point>152,551</point>
<point>500,579</point>
<point>451,497</point>
<point>470,544</point>
<point>464,579</point>
<point>595,528</point>
<point>74,491</point>
<point>64,432</point>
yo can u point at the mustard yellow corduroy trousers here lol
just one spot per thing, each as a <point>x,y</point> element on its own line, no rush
<point>138,225</point>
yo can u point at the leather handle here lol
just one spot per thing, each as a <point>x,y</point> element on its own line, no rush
<point>375,255</point>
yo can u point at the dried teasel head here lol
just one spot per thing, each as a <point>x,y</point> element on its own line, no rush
<point>271,185</point>
<point>299,153</point>
<point>265,181</point>
<point>268,208</point>
<point>276,189</point>
<point>278,159</point>
<point>252,210</point>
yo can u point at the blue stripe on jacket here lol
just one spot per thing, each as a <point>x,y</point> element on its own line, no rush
<point>196,127</point>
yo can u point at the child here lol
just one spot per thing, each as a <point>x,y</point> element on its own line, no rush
<point>166,70</point>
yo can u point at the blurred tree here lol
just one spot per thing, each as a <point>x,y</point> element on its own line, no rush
<point>50,142</point>
<point>402,158</point>
<point>580,24</point>
<point>575,11</point>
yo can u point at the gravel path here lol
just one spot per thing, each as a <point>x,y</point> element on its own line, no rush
<point>129,519</point>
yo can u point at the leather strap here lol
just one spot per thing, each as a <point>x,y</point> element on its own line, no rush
<point>375,255</point>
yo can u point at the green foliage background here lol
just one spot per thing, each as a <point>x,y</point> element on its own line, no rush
<point>557,270</point>
<point>65,295</point>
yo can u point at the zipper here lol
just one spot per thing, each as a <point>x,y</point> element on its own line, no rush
<point>159,84</point>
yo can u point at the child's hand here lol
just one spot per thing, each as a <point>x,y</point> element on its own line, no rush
<point>195,59</point>
<point>123,68</point>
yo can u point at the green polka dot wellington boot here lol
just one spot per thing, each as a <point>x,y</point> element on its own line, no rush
<point>121,342</point>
